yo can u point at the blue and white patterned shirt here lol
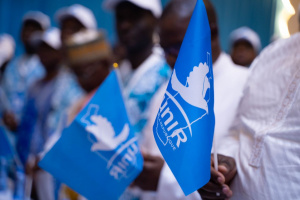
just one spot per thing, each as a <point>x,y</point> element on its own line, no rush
<point>141,84</point>
<point>18,77</point>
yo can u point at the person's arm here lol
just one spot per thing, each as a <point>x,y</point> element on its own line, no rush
<point>149,177</point>
<point>10,121</point>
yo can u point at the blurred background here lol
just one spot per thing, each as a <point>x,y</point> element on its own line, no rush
<point>269,18</point>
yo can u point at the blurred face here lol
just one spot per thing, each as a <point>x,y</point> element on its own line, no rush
<point>49,57</point>
<point>91,75</point>
<point>29,27</point>
<point>69,26</point>
<point>243,53</point>
<point>135,26</point>
<point>172,31</point>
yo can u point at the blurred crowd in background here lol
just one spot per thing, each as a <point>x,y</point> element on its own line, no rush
<point>61,67</point>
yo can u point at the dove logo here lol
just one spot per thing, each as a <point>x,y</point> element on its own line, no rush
<point>198,85</point>
<point>106,139</point>
<point>118,150</point>
<point>173,125</point>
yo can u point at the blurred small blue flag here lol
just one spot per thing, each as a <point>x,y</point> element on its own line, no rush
<point>184,125</point>
<point>97,155</point>
<point>6,149</point>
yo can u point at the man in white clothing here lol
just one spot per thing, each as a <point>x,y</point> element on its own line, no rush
<point>229,81</point>
<point>264,138</point>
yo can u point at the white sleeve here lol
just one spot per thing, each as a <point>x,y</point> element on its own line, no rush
<point>229,145</point>
<point>168,187</point>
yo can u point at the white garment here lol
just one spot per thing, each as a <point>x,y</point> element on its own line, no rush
<point>44,185</point>
<point>265,138</point>
<point>5,195</point>
<point>229,80</point>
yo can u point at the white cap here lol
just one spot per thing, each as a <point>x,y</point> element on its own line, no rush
<point>7,48</point>
<point>152,5</point>
<point>38,17</point>
<point>51,37</point>
<point>245,33</point>
<point>79,12</point>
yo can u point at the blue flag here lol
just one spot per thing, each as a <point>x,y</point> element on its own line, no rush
<point>184,125</point>
<point>97,155</point>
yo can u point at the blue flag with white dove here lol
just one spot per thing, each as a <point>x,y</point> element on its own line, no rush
<point>184,125</point>
<point>98,154</point>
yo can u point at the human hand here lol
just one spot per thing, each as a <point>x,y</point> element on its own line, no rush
<point>149,177</point>
<point>10,121</point>
<point>218,186</point>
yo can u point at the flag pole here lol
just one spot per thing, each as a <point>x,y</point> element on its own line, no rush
<point>214,141</point>
<point>216,164</point>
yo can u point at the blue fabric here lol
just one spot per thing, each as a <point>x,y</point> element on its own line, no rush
<point>98,154</point>
<point>67,92</point>
<point>45,106</point>
<point>184,126</point>
<point>42,93</point>
<point>19,75</point>
<point>139,96</point>
<point>6,149</point>
<point>25,131</point>
<point>3,100</point>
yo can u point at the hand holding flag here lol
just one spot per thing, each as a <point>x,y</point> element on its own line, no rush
<point>184,126</point>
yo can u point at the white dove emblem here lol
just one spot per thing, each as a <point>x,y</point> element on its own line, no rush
<point>105,134</point>
<point>198,84</point>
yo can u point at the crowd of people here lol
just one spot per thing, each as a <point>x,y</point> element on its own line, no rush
<point>256,95</point>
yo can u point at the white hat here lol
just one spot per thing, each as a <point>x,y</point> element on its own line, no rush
<point>51,37</point>
<point>152,5</point>
<point>38,17</point>
<point>79,12</point>
<point>7,48</point>
<point>245,33</point>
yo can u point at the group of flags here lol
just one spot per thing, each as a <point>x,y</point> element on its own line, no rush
<point>98,154</point>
